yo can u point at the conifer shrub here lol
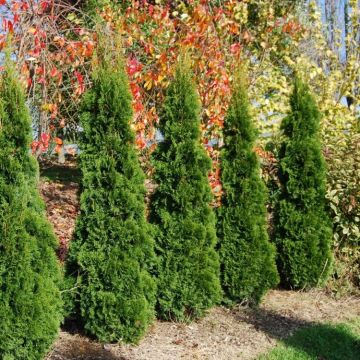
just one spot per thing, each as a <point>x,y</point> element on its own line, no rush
<point>30,302</point>
<point>113,249</point>
<point>302,225</point>
<point>188,272</point>
<point>248,266</point>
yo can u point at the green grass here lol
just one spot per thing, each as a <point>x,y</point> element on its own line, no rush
<point>320,342</point>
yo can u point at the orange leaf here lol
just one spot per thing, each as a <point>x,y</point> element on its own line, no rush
<point>58,141</point>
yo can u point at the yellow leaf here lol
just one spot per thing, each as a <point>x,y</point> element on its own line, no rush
<point>148,84</point>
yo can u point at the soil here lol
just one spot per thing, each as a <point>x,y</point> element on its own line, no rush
<point>62,209</point>
<point>223,334</point>
<point>240,333</point>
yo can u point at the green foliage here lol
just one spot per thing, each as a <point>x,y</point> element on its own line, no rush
<point>113,248</point>
<point>247,257</point>
<point>189,267</point>
<point>92,7</point>
<point>303,229</point>
<point>30,302</point>
<point>330,342</point>
<point>343,159</point>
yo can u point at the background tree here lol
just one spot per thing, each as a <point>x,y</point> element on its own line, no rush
<point>188,280</point>
<point>53,51</point>
<point>303,228</point>
<point>113,248</point>
<point>248,266</point>
<point>30,303</point>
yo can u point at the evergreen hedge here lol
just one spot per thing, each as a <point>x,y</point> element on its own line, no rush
<point>188,278</point>
<point>113,249</point>
<point>302,225</point>
<point>248,266</point>
<point>30,302</point>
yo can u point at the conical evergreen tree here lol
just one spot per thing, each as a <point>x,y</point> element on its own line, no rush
<point>30,302</point>
<point>113,248</point>
<point>248,266</point>
<point>188,279</point>
<point>302,226</point>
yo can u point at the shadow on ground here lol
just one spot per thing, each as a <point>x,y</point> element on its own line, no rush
<point>326,342</point>
<point>275,325</point>
<point>311,339</point>
<point>80,348</point>
<point>61,173</point>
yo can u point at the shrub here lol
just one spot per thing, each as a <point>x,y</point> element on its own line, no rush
<point>248,266</point>
<point>30,302</point>
<point>113,248</point>
<point>188,279</point>
<point>303,228</point>
<point>343,192</point>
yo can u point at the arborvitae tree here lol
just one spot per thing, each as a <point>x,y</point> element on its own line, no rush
<point>188,278</point>
<point>113,247</point>
<point>30,302</point>
<point>303,230</point>
<point>248,266</point>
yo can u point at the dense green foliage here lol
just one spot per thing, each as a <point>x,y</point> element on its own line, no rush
<point>303,229</point>
<point>248,266</point>
<point>188,278</point>
<point>30,302</point>
<point>113,248</point>
<point>330,342</point>
<point>343,162</point>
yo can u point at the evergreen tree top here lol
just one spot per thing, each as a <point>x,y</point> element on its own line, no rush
<point>14,118</point>
<point>15,125</point>
<point>304,119</point>
<point>107,107</point>
<point>238,122</point>
<point>181,107</point>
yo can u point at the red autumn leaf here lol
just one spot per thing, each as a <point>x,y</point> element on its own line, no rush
<point>16,18</point>
<point>135,90</point>
<point>133,66</point>
<point>44,5</point>
<point>8,26</point>
<point>24,6</point>
<point>40,70</point>
<point>34,146</point>
<point>53,72</point>
<point>235,48</point>
<point>80,79</point>
<point>138,107</point>
<point>29,83</point>
<point>2,41</point>
<point>45,138</point>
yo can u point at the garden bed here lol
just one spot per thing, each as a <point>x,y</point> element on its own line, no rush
<point>241,333</point>
<point>223,334</point>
